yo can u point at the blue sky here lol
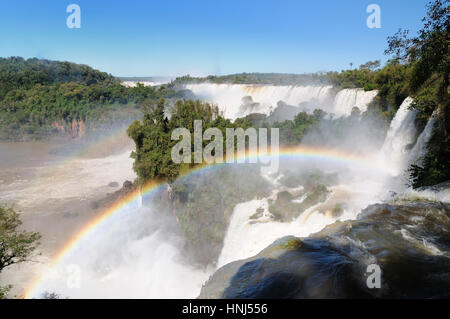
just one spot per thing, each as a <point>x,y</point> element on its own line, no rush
<point>201,37</point>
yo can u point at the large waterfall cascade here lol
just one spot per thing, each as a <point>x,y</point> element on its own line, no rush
<point>229,98</point>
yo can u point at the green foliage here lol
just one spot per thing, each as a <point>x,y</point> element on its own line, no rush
<point>425,102</point>
<point>427,53</point>
<point>38,96</point>
<point>392,86</point>
<point>15,245</point>
<point>370,65</point>
<point>427,56</point>
<point>350,78</point>
<point>368,87</point>
<point>153,141</point>
<point>16,72</point>
<point>292,132</point>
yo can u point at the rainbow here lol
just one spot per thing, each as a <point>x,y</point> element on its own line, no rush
<point>151,187</point>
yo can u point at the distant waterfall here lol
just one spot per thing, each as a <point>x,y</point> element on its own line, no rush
<point>400,135</point>
<point>347,99</point>
<point>229,96</point>
<point>264,98</point>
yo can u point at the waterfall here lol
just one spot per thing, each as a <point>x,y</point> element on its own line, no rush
<point>264,98</point>
<point>400,135</point>
<point>229,97</point>
<point>418,152</point>
<point>397,153</point>
<point>346,99</point>
<point>247,236</point>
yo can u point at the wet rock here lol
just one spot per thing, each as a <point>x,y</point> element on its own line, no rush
<point>436,188</point>
<point>70,215</point>
<point>127,185</point>
<point>94,205</point>
<point>285,209</point>
<point>409,241</point>
<point>258,214</point>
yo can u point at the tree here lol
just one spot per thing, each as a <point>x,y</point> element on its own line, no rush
<point>370,65</point>
<point>15,245</point>
<point>428,52</point>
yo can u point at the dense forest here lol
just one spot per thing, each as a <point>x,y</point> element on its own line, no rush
<point>41,98</point>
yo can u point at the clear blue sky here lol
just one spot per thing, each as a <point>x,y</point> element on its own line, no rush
<point>200,37</point>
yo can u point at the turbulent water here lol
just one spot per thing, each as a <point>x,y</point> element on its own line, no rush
<point>138,254</point>
<point>229,98</point>
<point>56,193</point>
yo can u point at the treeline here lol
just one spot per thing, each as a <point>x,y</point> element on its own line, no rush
<point>18,73</point>
<point>258,78</point>
<point>39,96</point>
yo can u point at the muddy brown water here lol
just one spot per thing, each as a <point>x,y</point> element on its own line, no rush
<point>56,186</point>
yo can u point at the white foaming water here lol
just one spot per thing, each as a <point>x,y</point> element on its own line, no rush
<point>419,150</point>
<point>400,135</point>
<point>428,194</point>
<point>73,178</point>
<point>133,256</point>
<point>347,99</point>
<point>229,96</point>
<point>139,200</point>
<point>246,237</point>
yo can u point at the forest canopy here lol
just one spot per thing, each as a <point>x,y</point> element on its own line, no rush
<point>39,97</point>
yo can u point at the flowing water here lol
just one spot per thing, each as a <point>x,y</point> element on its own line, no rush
<point>346,99</point>
<point>401,134</point>
<point>229,98</point>
<point>56,191</point>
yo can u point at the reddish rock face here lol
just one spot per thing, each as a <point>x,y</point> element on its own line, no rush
<point>59,127</point>
<point>78,128</point>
